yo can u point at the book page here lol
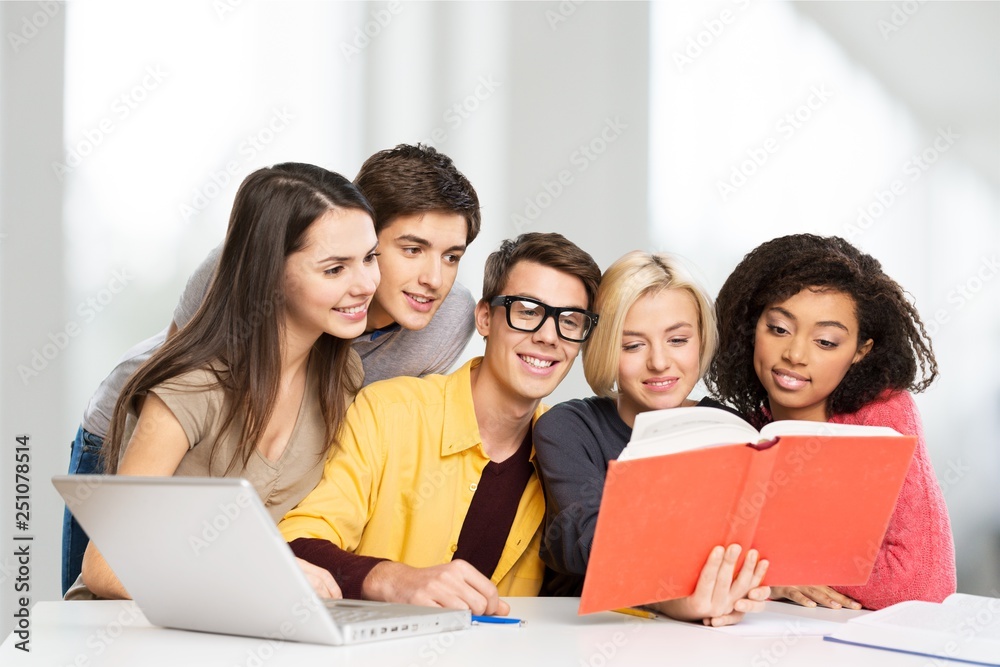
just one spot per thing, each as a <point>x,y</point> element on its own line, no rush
<point>673,430</point>
<point>673,421</point>
<point>797,427</point>
<point>679,429</point>
<point>960,630</point>
<point>971,617</point>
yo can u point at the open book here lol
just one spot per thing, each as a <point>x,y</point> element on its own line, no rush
<point>963,627</point>
<point>813,498</point>
<point>677,429</point>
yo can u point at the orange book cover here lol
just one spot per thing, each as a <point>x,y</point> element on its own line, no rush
<point>816,507</point>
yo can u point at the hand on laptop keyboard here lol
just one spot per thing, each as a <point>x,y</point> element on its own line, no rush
<point>453,585</point>
<point>321,580</point>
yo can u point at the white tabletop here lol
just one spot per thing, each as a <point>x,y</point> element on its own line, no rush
<point>86,634</point>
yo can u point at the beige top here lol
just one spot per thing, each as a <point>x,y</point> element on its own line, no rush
<point>199,404</point>
<point>281,484</point>
<point>201,408</point>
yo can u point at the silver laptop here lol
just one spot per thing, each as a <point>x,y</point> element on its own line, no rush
<point>203,554</point>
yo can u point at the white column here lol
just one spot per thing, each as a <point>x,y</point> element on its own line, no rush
<point>32,292</point>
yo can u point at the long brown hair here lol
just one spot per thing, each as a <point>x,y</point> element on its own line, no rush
<point>236,333</point>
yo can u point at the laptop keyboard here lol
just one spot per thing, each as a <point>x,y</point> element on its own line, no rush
<point>342,613</point>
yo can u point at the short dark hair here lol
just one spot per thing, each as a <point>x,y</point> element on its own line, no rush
<point>414,179</point>
<point>783,267</point>
<point>548,249</point>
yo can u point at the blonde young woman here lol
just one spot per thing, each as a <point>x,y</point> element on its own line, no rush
<point>655,338</point>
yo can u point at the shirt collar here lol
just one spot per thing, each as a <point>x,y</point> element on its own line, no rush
<point>392,328</point>
<point>461,430</point>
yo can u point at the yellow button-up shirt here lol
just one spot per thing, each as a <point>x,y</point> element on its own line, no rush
<point>399,483</point>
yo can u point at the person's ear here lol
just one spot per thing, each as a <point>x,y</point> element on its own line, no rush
<point>483,318</point>
<point>863,351</point>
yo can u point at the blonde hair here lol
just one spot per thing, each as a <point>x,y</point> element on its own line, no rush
<point>636,275</point>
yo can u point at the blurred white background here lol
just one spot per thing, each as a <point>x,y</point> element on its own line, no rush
<point>701,128</point>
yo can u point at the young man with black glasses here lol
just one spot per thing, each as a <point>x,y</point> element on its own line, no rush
<point>430,496</point>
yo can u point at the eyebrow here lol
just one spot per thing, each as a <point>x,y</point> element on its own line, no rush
<point>531,296</point>
<point>331,259</point>
<point>824,323</point>
<point>782,311</point>
<point>412,238</point>
<point>673,327</point>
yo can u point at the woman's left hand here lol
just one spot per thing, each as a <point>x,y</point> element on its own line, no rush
<point>810,596</point>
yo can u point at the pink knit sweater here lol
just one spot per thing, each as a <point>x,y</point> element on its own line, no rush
<point>917,558</point>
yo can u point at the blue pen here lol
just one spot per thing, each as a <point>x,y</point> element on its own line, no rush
<point>497,620</point>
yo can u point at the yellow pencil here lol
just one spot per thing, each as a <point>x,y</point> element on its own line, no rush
<point>641,613</point>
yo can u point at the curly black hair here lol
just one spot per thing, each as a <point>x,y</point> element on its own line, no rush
<point>781,268</point>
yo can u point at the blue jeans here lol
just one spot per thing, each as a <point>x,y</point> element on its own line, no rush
<point>84,459</point>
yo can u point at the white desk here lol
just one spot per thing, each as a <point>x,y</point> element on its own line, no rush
<point>86,634</point>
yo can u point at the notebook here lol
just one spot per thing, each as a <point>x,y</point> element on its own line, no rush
<point>203,554</point>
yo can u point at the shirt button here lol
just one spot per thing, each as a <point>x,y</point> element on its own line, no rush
<point>454,548</point>
<point>473,486</point>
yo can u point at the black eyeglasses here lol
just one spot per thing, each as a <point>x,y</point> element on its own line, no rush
<point>527,314</point>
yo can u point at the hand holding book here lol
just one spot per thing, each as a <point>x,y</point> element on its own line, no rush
<point>719,598</point>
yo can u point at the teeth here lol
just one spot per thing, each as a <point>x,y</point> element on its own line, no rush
<point>660,384</point>
<point>537,363</point>
<point>789,382</point>
<point>419,299</point>
<point>352,311</point>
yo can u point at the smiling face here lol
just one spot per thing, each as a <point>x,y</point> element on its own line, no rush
<point>419,257</point>
<point>803,348</point>
<point>330,281</point>
<point>526,367</point>
<point>660,354</point>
